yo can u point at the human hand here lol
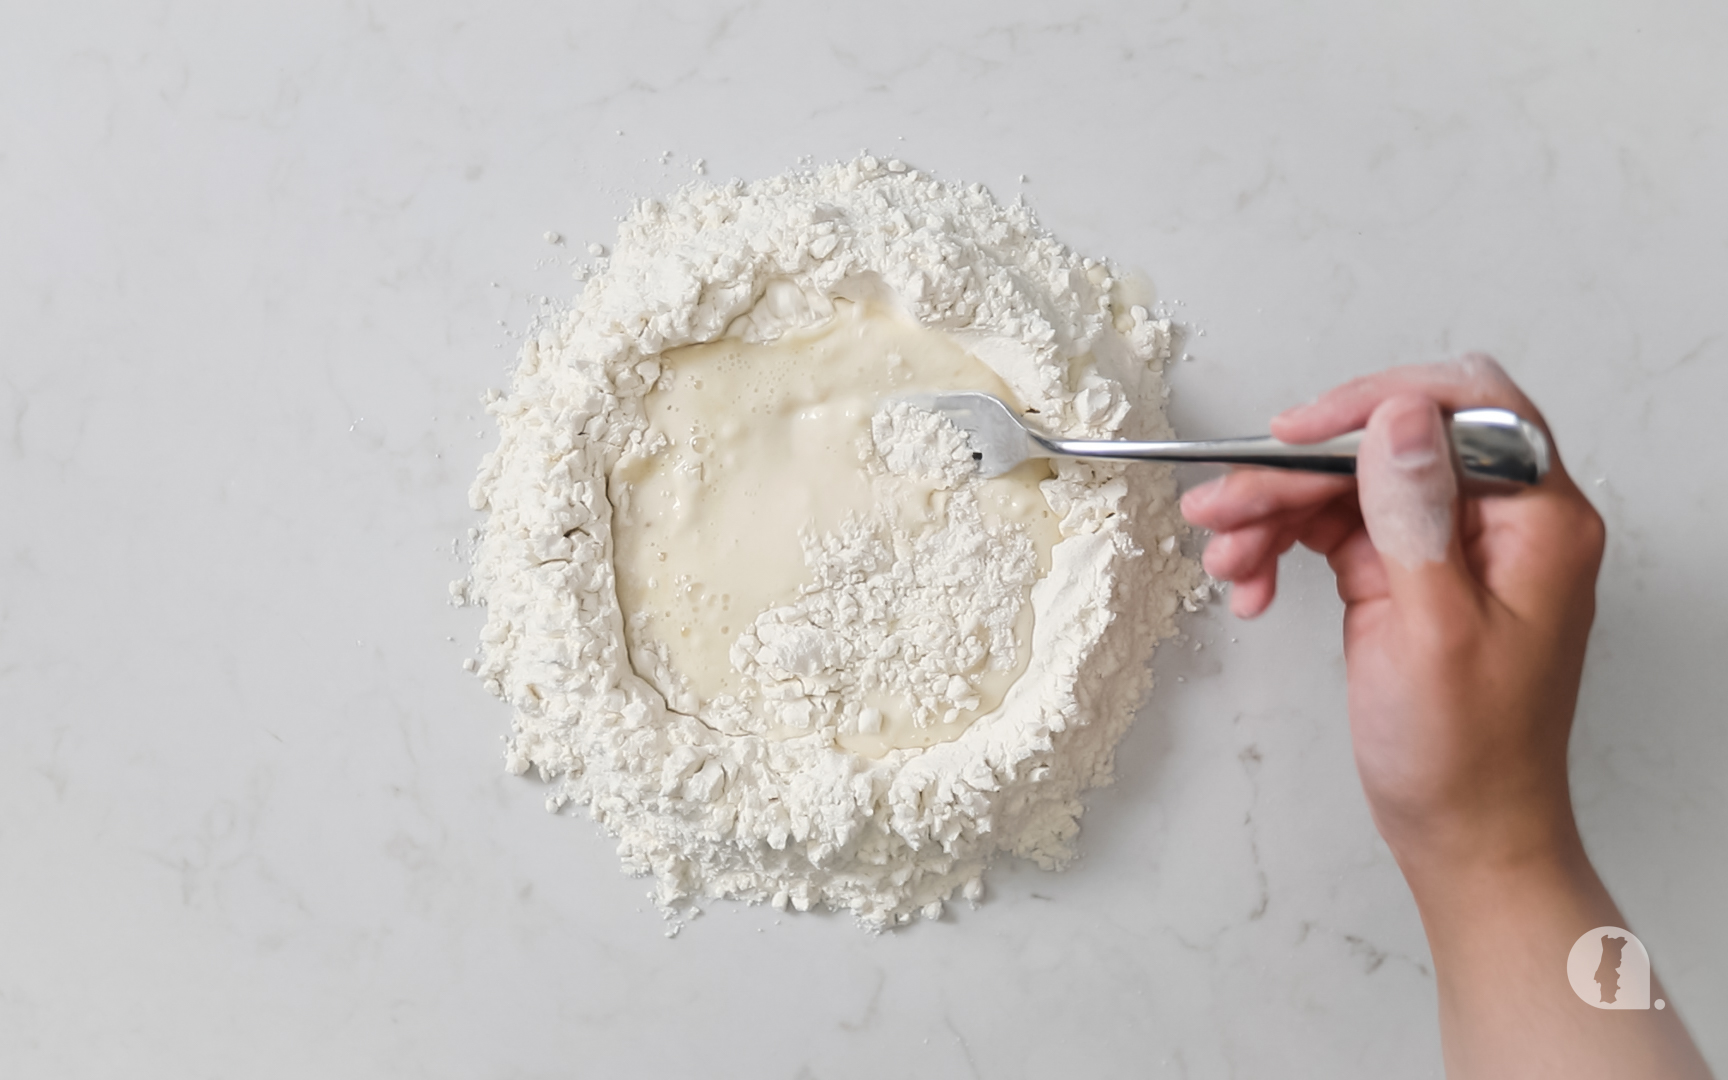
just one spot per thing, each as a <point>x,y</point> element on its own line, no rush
<point>1466,618</point>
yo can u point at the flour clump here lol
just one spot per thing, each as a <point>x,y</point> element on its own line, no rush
<point>764,619</point>
<point>920,444</point>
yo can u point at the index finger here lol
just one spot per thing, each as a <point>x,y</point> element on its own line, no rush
<point>1471,381</point>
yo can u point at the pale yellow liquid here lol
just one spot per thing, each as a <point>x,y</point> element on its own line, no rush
<point>766,440</point>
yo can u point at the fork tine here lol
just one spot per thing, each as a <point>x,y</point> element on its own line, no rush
<point>999,440</point>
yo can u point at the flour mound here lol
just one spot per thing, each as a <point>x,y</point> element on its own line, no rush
<point>722,810</point>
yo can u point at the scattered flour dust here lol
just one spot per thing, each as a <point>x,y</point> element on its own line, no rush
<point>797,819</point>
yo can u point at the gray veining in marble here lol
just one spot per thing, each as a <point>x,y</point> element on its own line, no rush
<point>253,818</point>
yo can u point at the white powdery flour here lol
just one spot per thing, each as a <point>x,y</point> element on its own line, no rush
<point>797,820</point>
<point>915,616</point>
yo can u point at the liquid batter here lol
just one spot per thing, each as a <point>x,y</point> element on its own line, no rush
<point>753,446</point>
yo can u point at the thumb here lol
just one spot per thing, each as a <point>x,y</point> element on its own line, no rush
<point>1409,496</point>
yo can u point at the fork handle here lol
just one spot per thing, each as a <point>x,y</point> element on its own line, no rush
<point>1494,447</point>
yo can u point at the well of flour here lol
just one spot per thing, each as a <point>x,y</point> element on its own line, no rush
<point>793,552</point>
<point>766,622</point>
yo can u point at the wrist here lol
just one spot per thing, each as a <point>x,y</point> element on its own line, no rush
<point>1491,826</point>
<point>1467,887</point>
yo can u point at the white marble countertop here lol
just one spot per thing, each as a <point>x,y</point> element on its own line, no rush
<point>253,817</point>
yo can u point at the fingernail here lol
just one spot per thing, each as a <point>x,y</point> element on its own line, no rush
<point>1412,438</point>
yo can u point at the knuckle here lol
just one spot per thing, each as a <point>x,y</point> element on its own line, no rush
<point>1479,367</point>
<point>1591,531</point>
<point>1485,379</point>
<point>1574,533</point>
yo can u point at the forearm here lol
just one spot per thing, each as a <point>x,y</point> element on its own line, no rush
<point>1500,934</point>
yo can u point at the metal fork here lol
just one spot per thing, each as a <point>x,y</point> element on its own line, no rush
<point>1494,447</point>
